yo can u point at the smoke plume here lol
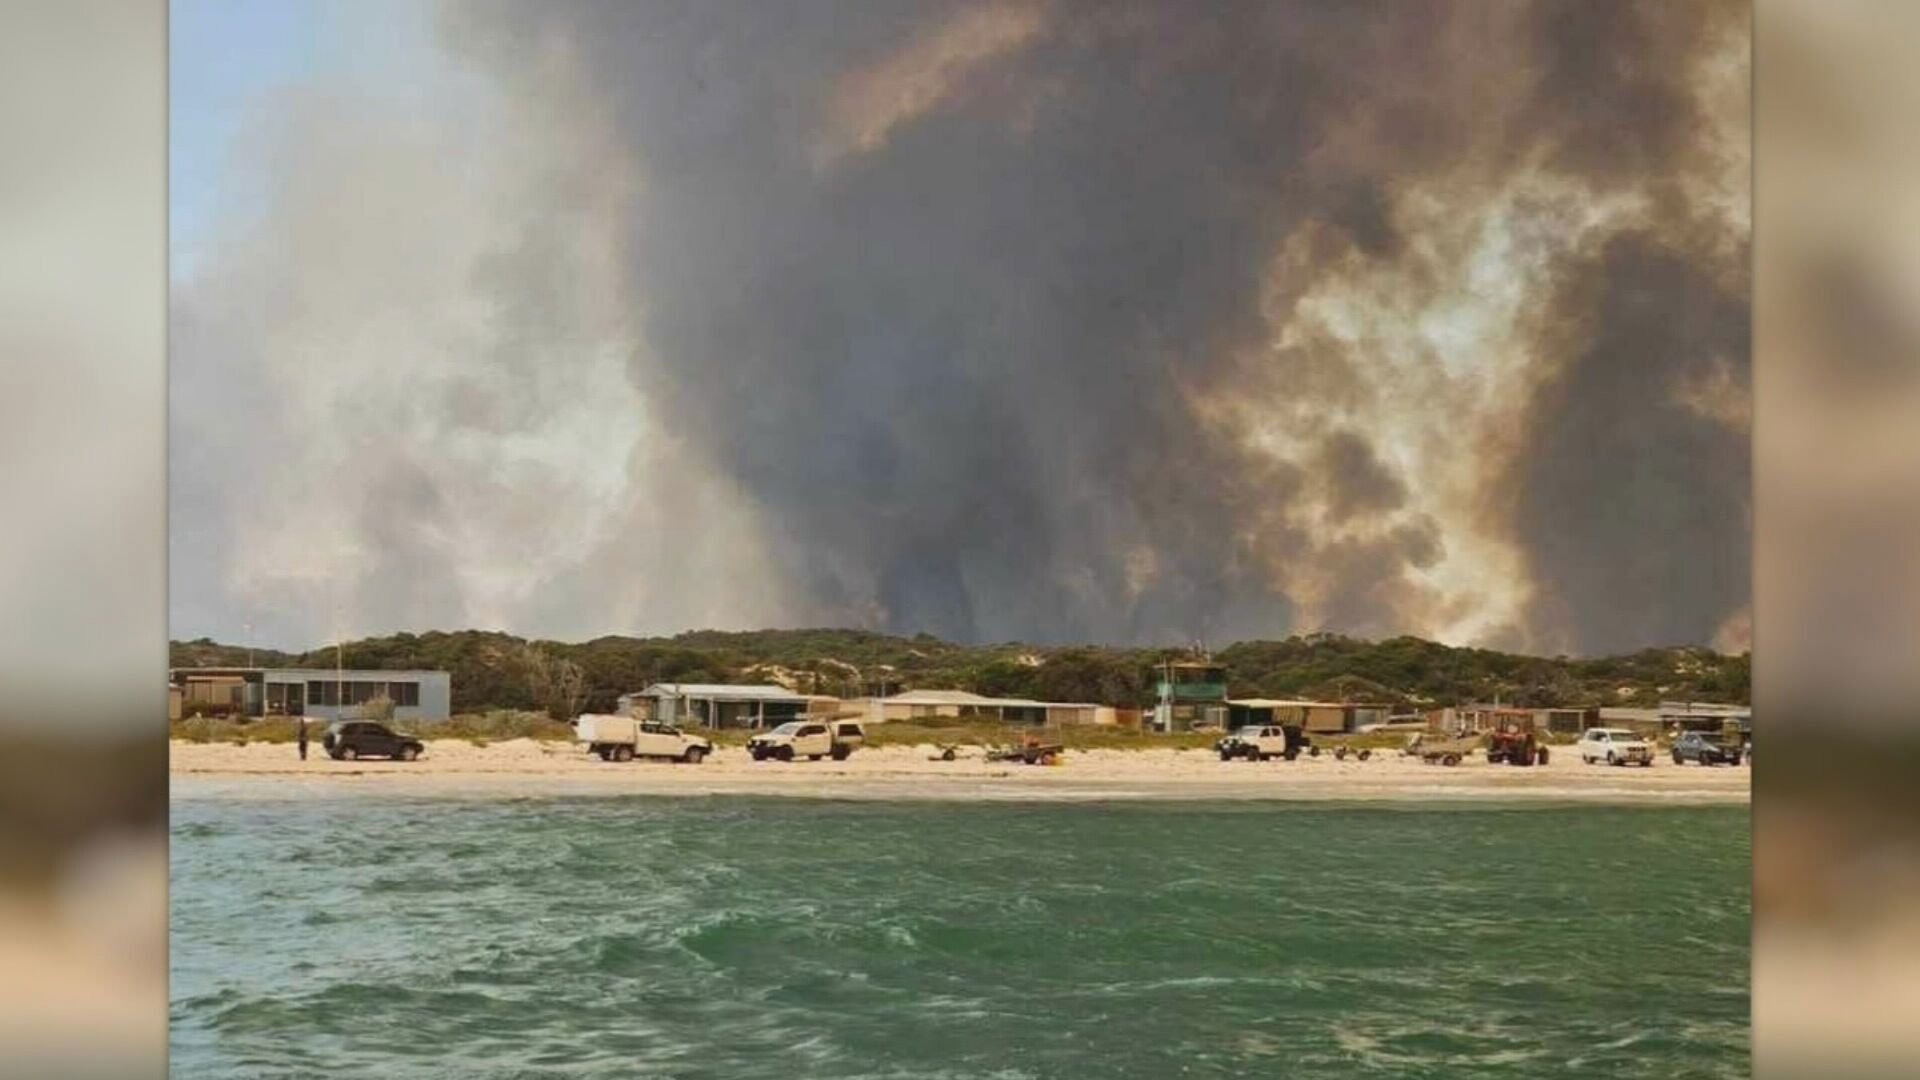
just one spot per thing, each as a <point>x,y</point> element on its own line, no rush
<point>1067,321</point>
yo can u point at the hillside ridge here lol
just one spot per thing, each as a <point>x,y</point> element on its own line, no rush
<point>490,669</point>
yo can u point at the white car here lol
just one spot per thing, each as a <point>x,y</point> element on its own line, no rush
<point>623,738</point>
<point>1615,746</point>
<point>810,739</point>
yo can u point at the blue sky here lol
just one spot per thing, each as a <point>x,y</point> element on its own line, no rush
<point>227,58</point>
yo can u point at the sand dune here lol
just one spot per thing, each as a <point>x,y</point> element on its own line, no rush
<point>525,767</point>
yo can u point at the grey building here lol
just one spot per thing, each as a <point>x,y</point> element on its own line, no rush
<point>1558,720</point>
<point>318,693</point>
<point>1706,716</point>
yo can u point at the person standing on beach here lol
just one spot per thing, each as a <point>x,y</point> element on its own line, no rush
<point>303,738</point>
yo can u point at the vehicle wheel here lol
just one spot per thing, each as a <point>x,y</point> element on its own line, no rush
<point>1339,753</point>
<point>1542,758</point>
<point>1291,754</point>
<point>693,755</point>
<point>348,753</point>
<point>1313,751</point>
<point>785,753</point>
<point>409,753</point>
<point>841,753</point>
<point>1365,754</point>
<point>334,754</point>
<point>623,753</point>
<point>1676,757</point>
<point>1613,758</point>
<point>1450,759</point>
<point>948,754</point>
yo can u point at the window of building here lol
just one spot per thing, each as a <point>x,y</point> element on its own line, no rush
<point>406,695</point>
<point>327,692</point>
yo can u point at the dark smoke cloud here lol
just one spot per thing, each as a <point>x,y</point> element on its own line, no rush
<point>946,320</point>
<point>1054,321</point>
<point>1635,510</point>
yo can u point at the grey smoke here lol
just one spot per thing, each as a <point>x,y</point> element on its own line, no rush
<point>970,304</point>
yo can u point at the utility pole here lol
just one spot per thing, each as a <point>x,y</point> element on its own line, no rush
<point>246,628</point>
<point>339,667</point>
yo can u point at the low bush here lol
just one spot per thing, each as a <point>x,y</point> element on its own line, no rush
<point>495,725</point>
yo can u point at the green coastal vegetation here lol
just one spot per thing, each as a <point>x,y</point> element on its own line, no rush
<point>503,676</point>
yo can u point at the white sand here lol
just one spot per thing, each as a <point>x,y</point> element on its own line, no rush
<point>523,767</point>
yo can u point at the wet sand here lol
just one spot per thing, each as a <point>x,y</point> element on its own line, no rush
<point>523,768</point>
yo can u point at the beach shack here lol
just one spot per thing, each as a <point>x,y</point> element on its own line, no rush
<point>961,705</point>
<point>725,705</point>
<point>1321,717</point>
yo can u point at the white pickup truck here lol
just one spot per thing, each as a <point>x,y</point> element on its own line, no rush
<point>623,738</point>
<point>810,739</point>
<point>1259,742</point>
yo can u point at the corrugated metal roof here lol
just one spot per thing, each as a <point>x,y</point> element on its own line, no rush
<point>937,697</point>
<point>308,673</point>
<point>1703,708</point>
<point>965,697</point>
<point>724,691</point>
<point>1627,714</point>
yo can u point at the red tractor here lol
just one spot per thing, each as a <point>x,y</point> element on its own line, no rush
<point>1516,743</point>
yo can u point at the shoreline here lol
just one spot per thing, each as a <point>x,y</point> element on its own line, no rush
<point>524,768</point>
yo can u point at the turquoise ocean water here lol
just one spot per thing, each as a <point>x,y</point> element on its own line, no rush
<point>740,938</point>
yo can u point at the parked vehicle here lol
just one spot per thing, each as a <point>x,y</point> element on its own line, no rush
<point>1443,749</point>
<point>1031,751</point>
<point>623,738</point>
<point>1703,749</point>
<point>811,739</point>
<point>1259,742</point>
<point>1517,744</point>
<point>350,740</point>
<point>1615,746</point>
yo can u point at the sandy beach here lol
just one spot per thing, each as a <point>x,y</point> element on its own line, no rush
<point>524,767</point>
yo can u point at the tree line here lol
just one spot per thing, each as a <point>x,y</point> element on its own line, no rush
<point>493,670</point>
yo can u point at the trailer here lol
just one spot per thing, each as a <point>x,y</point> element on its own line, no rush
<point>1031,751</point>
<point>1443,750</point>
